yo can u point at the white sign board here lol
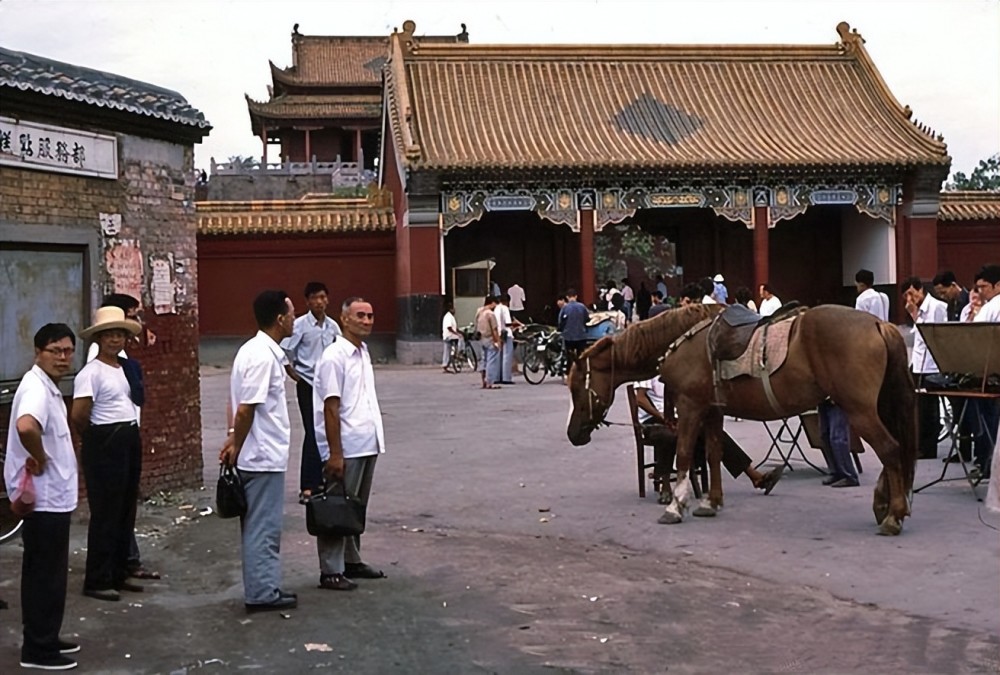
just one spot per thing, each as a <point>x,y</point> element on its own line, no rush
<point>45,147</point>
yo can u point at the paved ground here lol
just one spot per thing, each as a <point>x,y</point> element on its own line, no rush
<point>510,551</point>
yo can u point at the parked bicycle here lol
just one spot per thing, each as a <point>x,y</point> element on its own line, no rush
<point>462,355</point>
<point>545,355</point>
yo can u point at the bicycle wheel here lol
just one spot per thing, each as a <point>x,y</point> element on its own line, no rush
<point>470,358</point>
<point>456,359</point>
<point>535,366</point>
<point>10,525</point>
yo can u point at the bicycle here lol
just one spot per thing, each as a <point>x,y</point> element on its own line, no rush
<point>545,355</point>
<point>462,355</point>
<point>10,525</point>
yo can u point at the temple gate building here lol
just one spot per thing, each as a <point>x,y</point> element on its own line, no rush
<point>793,165</point>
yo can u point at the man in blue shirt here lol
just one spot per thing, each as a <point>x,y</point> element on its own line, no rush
<point>312,332</point>
<point>573,319</point>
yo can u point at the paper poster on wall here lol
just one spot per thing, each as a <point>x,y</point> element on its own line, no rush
<point>111,223</point>
<point>124,264</point>
<point>162,284</point>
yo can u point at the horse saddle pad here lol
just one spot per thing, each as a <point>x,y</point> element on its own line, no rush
<point>749,349</point>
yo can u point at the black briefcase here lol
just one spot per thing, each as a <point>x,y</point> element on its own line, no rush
<point>335,512</point>
<point>230,496</point>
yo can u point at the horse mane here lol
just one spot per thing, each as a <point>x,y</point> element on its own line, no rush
<point>644,342</point>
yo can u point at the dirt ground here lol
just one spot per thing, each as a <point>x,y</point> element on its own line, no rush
<point>509,551</point>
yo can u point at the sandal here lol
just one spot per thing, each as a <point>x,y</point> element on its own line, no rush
<point>336,582</point>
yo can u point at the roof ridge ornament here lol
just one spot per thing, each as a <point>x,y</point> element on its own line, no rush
<point>408,41</point>
<point>850,38</point>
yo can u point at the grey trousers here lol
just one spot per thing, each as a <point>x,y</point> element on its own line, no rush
<point>261,529</point>
<point>335,551</point>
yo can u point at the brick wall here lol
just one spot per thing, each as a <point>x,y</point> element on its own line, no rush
<point>155,198</point>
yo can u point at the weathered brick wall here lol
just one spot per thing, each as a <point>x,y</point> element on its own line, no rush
<point>155,198</point>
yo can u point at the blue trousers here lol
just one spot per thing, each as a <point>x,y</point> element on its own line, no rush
<point>491,361</point>
<point>837,436</point>
<point>507,360</point>
<point>261,535</point>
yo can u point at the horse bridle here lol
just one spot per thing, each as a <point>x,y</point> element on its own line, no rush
<point>594,397</point>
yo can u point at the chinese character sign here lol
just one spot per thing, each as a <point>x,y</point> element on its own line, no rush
<point>51,148</point>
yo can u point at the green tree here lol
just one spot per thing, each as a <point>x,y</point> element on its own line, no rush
<point>986,176</point>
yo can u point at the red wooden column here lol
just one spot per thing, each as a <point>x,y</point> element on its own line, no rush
<point>588,284</point>
<point>761,259</point>
<point>308,134</point>
<point>357,147</point>
<point>263,145</point>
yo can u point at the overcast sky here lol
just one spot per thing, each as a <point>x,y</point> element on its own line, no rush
<point>940,57</point>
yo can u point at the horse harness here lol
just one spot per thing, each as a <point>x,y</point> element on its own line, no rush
<point>741,336</point>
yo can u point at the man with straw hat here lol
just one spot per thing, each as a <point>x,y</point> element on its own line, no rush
<point>104,417</point>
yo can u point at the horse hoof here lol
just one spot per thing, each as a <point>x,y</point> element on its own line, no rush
<point>704,511</point>
<point>890,527</point>
<point>669,518</point>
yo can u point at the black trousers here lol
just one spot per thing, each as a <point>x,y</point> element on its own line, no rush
<point>665,450</point>
<point>43,582</point>
<point>112,463</point>
<point>311,467</point>
<point>928,423</point>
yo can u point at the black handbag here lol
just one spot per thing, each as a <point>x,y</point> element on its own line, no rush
<point>230,497</point>
<point>335,512</point>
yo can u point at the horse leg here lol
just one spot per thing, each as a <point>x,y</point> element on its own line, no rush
<point>687,431</point>
<point>872,430</point>
<point>880,502</point>
<point>711,503</point>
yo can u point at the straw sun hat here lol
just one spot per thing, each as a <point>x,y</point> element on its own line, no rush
<point>110,318</point>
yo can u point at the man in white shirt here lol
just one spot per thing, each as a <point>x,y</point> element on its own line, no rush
<point>312,332</point>
<point>450,337</point>
<point>104,416</point>
<point>869,300</point>
<point>505,326</point>
<point>924,308</point>
<point>628,295</point>
<point>988,285</point>
<point>517,300</point>
<point>769,302</point>
<point>39,443</point>
<point>257,444</point>
<point>349,435</point>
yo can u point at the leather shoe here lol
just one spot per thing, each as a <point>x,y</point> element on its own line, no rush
<point>770,479</point>
<point>102,594</point>
<point>287,594</point>
<point>831,479</point>
<point>283,602</point>
<point>130,587</point>
<point>336,582</point>
<point>362,571</point>
<point>845,482</point>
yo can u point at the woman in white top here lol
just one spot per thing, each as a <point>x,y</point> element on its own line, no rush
<point>104,416</point>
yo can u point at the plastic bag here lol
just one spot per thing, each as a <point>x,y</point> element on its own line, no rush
<point>22,501</point>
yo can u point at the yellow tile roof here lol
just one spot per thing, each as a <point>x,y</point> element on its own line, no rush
<point>303,216</point>
<point>334,60</point>
<point>631,107</point>
<point>969,205</point>
<point>312,107</point>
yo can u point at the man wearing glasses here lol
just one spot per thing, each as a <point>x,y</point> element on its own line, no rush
<point>38,443</point>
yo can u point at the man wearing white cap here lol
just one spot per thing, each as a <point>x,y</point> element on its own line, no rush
<point>104,416</point>
<point>721,293</point>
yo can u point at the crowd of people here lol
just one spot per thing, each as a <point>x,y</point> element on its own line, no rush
<point>335,386</point>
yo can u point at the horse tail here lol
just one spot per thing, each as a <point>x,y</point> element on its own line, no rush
<point>897,403</point>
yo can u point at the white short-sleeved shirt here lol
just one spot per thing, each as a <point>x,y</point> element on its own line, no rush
<point>448,322</point>
<point>345,371</point>
<point>56,489</point>
<point>110,391</point>
<point>92,354</point>
<point>654,392</point>
<point>989,312</point>
<point>258,379</point>
<point>308,340</point>
<point>769,306</point>
<point>502,313</point>
<point>517,298</point>
<point>931,310</point>
<point>873,302</point>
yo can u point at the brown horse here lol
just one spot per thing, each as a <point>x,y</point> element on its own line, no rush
<point>836,352</point>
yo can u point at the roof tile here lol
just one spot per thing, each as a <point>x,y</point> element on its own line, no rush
<point>969,205</point>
